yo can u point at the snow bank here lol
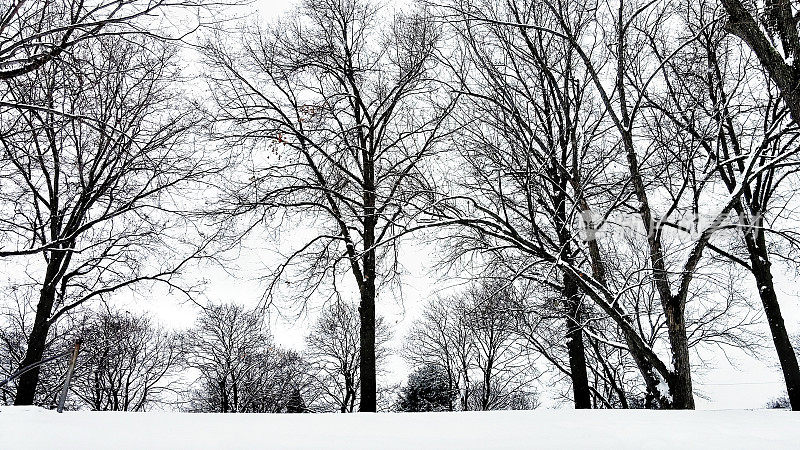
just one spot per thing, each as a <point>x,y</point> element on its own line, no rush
<point>26,427</point>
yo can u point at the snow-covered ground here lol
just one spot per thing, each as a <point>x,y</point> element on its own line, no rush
<point>26,427</point>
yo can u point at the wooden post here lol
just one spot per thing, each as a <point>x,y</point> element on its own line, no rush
<point>70,369</point>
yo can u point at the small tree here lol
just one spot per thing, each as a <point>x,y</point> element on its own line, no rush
<point>781,402</point>
<point>428,389</point>
<point>472,339</point>
<point>126,363</point>
<point>241,370</point>
<point>296,403</point>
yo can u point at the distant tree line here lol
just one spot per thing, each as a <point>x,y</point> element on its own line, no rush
<point>227,363</point>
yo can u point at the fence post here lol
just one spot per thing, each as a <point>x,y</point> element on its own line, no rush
<point>70,369</point>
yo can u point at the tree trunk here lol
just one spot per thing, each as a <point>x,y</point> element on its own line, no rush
<point>487,385</point>
<point>235,386</point>
<point>465,399</point>
<point>450,388</point>
<point>575,346</point>
<point>37,340</point>
<point>759,260</point>
<point>572,298</point>
<point>367,369</point>
<point>680,384</point>
<point>223,390</point>
<point>366,310</point>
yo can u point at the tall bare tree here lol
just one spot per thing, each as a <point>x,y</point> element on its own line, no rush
<point>538,123</point>
<point>732,111</point>
<point>652,184</point>
<point>344,109</point>
<point>89,200</point>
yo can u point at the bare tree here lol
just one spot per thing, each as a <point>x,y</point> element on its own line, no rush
<point>472,339</point>
<point>731,119</point>
<point>502,364</point>
<point>345,96</point>
<point>126,363</point>
<point>538,127</point>
<point>33,33</point>
<point>335,355</point>
<point>770,29</point>
<point>440,338</point>
<point>653,184</point>
<point>241,369</point>
<point>89,200</point>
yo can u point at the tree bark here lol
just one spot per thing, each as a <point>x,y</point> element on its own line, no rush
<point>575,346</point>
<point>366,309</point>
<point>223,390</point>
<point>37,340</point>
<point>367,367</point>
<point>759,260</point>
<point>680,384</point>
<point>571,291</point>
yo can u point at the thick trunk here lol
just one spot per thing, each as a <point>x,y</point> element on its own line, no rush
<point>644,365</point>
<point>367,369</point>
<point>759,260</point>
<point>575,347</point>
<point>37,340</point>
<point>572,298</point>
<point>680,379</point>
<point>680,383</point>
<point>368,402</point>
